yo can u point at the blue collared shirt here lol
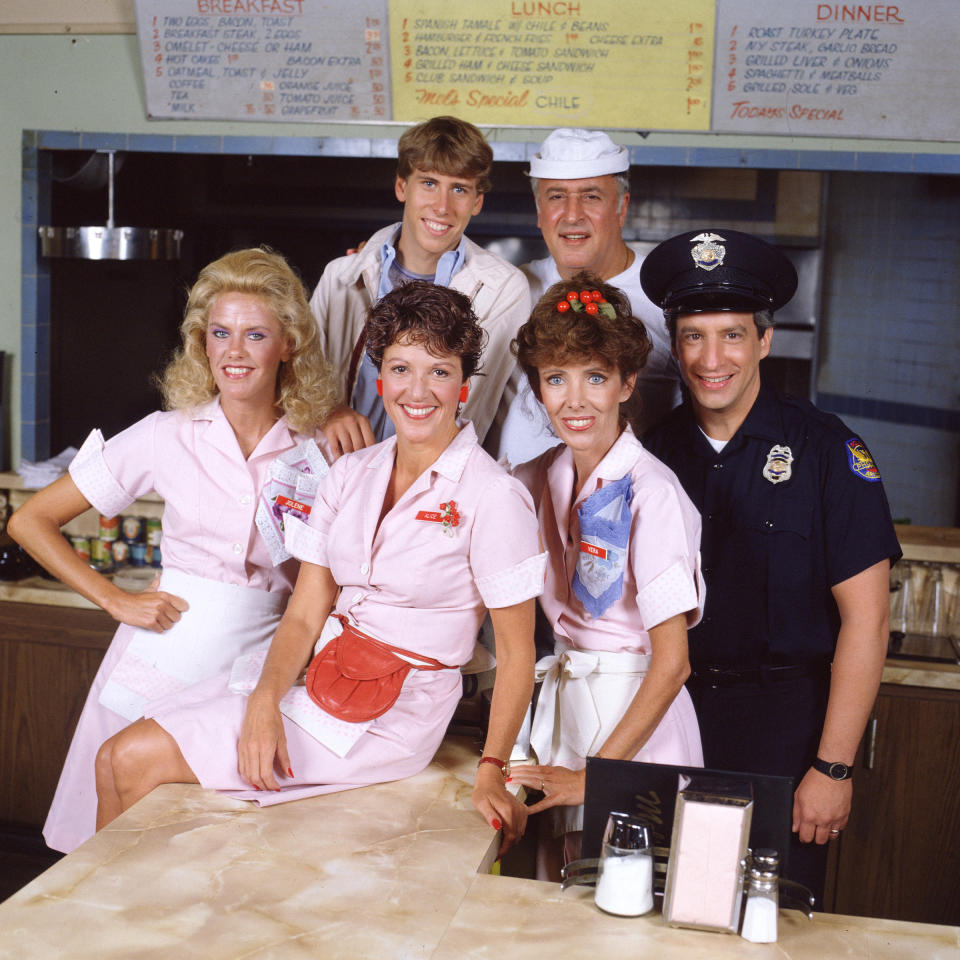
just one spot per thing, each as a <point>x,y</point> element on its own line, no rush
<point>365,399</point>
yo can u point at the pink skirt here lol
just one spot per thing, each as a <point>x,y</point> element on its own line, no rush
<point>73,812</point>
<point>253,616</point>
<point>206,719</point>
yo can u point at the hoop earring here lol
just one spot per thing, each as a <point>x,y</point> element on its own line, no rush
<point>379,387</point>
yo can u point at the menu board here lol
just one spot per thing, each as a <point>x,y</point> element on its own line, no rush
<point>599,63</point>
<point>837,69</point>
<point>805,68</point>
<point>288,60</point>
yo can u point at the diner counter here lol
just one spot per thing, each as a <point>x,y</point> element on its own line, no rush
<point>396,870</point>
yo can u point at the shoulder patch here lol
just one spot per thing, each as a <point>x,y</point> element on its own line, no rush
<point>860,461</point>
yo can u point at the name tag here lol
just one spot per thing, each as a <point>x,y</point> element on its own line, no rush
<point>287,503</point>
<point>434,516</point>
<point>593,550</point>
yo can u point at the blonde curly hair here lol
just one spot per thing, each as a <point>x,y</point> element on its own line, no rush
<point>306,391</point>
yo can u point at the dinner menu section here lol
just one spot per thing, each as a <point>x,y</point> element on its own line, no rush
<point>288,60</point>
<point>837,69</point>
<point>600,63</point>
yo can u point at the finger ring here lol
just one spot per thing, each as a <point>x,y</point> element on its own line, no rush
<point>834,832</point>
<point>541,784</point>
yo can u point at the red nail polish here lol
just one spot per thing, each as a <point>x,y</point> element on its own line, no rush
<point>290,771</point>
<point>497,824</point>
<point>255,787</point>
<point>508,780</point>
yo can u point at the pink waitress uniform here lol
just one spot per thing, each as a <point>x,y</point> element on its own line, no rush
<point>415,582</point>
<point>211,551</point>
<point>599,662</point>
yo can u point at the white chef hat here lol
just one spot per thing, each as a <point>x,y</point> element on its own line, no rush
<point>574,153</point>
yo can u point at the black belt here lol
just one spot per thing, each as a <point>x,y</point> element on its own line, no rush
<point>731,676</point>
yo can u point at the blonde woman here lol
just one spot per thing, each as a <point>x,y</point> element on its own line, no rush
<point>248,384</point>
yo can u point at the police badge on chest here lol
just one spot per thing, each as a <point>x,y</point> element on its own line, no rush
<point>777,468</point>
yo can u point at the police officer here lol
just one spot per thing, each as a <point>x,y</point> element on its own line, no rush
<point>797,539</point>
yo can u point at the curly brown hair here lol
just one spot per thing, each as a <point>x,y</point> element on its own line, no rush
<point>306,391</point>
<point>552,337</point>
<point>446,145</point>
<point>440,319</point>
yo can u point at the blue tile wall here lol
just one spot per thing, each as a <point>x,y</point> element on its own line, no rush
<point>890,340</point>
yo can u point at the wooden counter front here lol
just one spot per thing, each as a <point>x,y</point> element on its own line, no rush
<point>48,659</point>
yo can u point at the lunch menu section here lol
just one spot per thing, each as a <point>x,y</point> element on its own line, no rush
<point>727,66</point>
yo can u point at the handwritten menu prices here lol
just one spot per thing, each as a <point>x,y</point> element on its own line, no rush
<point>837,69</point>
<point>600,63</point>
<point>286,60</point>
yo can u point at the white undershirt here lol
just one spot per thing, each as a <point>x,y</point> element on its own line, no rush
<point>717,445</point>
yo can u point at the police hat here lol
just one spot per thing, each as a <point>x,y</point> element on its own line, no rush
<point>717,269</point>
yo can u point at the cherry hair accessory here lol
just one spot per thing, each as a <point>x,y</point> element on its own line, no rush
<point>379,387</point>
<point>504,767</point>
<point>590,300</point>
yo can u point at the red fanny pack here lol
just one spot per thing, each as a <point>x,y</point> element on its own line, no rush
<point>356,677</point>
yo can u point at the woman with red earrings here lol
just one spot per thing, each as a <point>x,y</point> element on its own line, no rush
<point>408,543</point>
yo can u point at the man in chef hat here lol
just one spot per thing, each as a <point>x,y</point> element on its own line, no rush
<point>580,180</point>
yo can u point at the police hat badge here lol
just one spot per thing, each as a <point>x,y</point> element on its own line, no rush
<point>707,254</point>
<point>777,468</point>
<point>717,269</point>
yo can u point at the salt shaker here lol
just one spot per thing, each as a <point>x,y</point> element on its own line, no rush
<point>625,884</point>
<point>760,916</point>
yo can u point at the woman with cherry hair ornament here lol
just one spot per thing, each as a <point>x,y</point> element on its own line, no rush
<point>623,580</point>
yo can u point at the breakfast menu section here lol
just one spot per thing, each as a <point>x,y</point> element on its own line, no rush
<point>288,60</point>
<point>599,63</point>
<point>837,69</point>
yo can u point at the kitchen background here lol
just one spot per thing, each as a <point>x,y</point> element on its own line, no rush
<point>880,216</point>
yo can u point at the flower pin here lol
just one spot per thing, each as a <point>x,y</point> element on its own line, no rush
<point>449,517</point>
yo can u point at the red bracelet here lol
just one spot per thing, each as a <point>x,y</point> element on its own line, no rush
<point>504,767</point>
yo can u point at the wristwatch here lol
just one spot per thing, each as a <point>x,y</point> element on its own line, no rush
<point>835,771</point>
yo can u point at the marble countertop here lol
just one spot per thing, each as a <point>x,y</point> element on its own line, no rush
<point>399,870</point>
<point>919,673</point>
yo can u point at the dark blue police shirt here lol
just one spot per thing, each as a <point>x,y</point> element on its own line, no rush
<point>772,551</point>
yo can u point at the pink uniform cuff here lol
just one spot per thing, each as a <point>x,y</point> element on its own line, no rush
<point>94,480</point>
<point>520,582</point>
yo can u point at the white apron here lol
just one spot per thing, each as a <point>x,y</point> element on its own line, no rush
<point>584,696</point>
<point>224,621</point>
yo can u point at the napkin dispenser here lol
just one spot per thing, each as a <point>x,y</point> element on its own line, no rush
<point>711,832</point>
